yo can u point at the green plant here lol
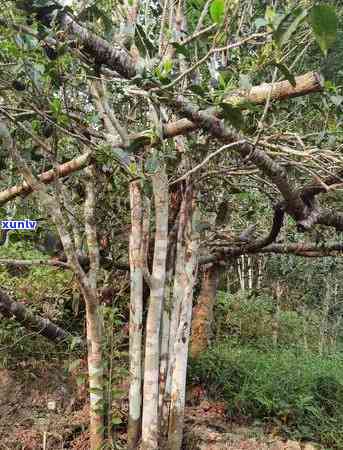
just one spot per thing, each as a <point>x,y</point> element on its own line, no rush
<point>301,394</point>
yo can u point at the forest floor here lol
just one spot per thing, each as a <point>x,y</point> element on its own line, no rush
<point>42,406</point>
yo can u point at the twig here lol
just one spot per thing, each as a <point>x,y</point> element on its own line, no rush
<point>212,155</point>
<point>205,58</point>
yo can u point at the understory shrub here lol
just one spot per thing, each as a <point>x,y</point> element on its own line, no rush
<point>300,394</point>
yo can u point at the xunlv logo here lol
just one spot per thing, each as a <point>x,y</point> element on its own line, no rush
<point>19,224</point>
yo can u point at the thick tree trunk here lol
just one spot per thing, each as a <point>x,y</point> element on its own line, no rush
<point>203,311</point>
<point>150,421</point>
<point>136,312</point>
<point>10,308</point>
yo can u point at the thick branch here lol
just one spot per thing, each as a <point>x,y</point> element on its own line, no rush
<point>307,249</point>
<point>46,177</point>
<point>305,84</point>
<point>102,51</point>
<point>276,173</point>
<point>253,247</point>
<point>10,308</point>
<point>33,262</point>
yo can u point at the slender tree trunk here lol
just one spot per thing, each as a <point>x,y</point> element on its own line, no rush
<point>203,312</point>
<point>150,421</point>
<point>188,246</point>
<point>260,265</point>
<point>136,312</point>
<point>241,272</point>
<point>165,336</point>
<point>250,272</point>
<point>95,371</point>
<point>94,324</point>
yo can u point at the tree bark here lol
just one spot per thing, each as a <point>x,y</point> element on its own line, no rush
<point>10,308</point>
<point>47,177</point>
<point>188,246</point>
<point>136,313</point>
<point>305,84</point>
<point>203,311</point>
<point>94,325</point>
<point>150,421</point>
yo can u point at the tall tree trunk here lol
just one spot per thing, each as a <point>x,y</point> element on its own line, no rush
<point>87,284</point>
<point>95,370</point>
<point>150,422</point>
<point>187,247</point>
<point>203,311</point>
<point>136,312</point>
<point>94,324</point>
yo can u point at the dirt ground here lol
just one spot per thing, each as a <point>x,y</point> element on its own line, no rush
<point>45,408</point>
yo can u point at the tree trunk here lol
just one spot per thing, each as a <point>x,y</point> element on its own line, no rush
<point>95,370</point>
<point>150,422</point>
<point>136,312</point>
<point>187,248</point>
<point>94,324</point>
<point>203,311</point>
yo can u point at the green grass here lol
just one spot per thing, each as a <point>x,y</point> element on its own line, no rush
<point>301,394</point>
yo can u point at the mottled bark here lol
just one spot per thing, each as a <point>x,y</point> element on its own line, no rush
<point>12,309</point>
<point>304,84</point>
<point>136,312</point>
<point>102,51</point>
<point>87,286</point>
<point>274,171</point>
<point>202,320</point>
<point>189,247</point>
<point>94,325</point>
<point>95,371</point>
<point>47,177</point>
<point>150,429</point>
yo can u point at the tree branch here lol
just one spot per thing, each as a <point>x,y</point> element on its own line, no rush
<point>10,308</point>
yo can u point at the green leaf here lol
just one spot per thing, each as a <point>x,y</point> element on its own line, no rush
<point>152,164</point>
<point>324,23</point>
<point>81,379</point>
<point>245,82</point>
<point>197,90</point>
<point>288,25</point>
<point>116,421</point>
<point>143,42</point>
<point>233,115</point>
<point>286,73</point>
<point>74,364</point>
<point>56,107</point>
<point>217,10</point>
<point>167,66</point>
<point>181,49</point>
<point>336,99</point>
<point>260,22</point>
